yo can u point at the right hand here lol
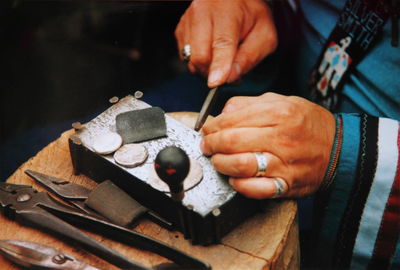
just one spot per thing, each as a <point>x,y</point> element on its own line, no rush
<point>227,37</point>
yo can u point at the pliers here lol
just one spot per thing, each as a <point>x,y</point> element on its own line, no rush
<point>26,205</point>
<point>34,255</point>
<point>80,197</point>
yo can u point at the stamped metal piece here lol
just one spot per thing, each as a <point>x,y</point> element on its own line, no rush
<point>131,155</point>
<point>107,143</point>
<point>193,178</point>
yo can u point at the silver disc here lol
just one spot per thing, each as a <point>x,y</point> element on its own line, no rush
<point>131,155</point>
<point>193,178</point>
<point>107,143</point>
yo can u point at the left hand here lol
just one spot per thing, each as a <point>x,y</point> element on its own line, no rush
<point>296,136</point>
<point>227,38</point>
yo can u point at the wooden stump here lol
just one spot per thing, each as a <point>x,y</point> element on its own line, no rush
<point>267,241</point>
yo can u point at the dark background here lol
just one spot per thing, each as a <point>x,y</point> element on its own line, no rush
<point>61,61</point>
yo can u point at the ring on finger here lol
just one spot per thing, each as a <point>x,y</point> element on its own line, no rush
<point>186,52</point>
<point>280,187</point>
<point>262,163</point>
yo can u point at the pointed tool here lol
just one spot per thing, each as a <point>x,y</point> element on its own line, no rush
<point>206,108</point>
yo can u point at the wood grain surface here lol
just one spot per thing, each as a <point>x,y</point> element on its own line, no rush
<point>269,240</point>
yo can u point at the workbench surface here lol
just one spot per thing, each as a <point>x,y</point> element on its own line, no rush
<point>267,241</point>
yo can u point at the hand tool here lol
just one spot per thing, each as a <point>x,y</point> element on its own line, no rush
<point>86,199</point>
<point>206,108</point>
<point>172,166</point>
<point>71,193</point>
<point>121,209</point>
<point>38,256</point>
<point>37,209</point>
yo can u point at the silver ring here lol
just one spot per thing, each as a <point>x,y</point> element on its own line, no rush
<point>279,187</point>
<point>262,163</point>
<point>186,52</point>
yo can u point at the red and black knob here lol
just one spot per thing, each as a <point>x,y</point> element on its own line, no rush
<point>172,165</point>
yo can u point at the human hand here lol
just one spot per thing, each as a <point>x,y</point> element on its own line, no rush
<point>295,135</point>
<point>227,38</point>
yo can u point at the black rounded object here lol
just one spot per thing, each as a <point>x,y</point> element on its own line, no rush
<point>172,165</point>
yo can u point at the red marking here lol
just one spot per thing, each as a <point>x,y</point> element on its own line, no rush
<point>170,171</point>
<point>323,83</point>
<point>156,165</point>
<point>385,244</point>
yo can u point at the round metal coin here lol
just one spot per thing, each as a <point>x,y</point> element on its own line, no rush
<point>193,178</point>
<point>107,143</point>
<point>131,155</point>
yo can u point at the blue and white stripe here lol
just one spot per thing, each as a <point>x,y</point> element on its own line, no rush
<point>378,195</point>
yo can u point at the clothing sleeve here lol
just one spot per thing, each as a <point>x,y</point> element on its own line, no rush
<point>359,215</point>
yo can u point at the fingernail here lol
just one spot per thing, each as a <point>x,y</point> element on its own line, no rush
<point>235,73</point>
<point>214,77</point>
<point>231,181</point>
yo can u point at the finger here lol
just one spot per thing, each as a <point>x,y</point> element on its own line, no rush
<point>200,39</point>
<point>239,102</point>
<point>246,165</point>
<point>259,115</point>
<point>182,34</point>
<point>191,68</point>
<point>260,42</point>
<point>241,140</point>
<point>224,47</point>
<point>260,187</point>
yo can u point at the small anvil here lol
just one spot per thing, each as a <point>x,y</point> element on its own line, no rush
<point>208,211</point>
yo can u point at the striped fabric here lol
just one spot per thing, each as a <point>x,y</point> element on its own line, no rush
<point>370,226</point>
<point>351,219</point>
<point>379,205</point>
